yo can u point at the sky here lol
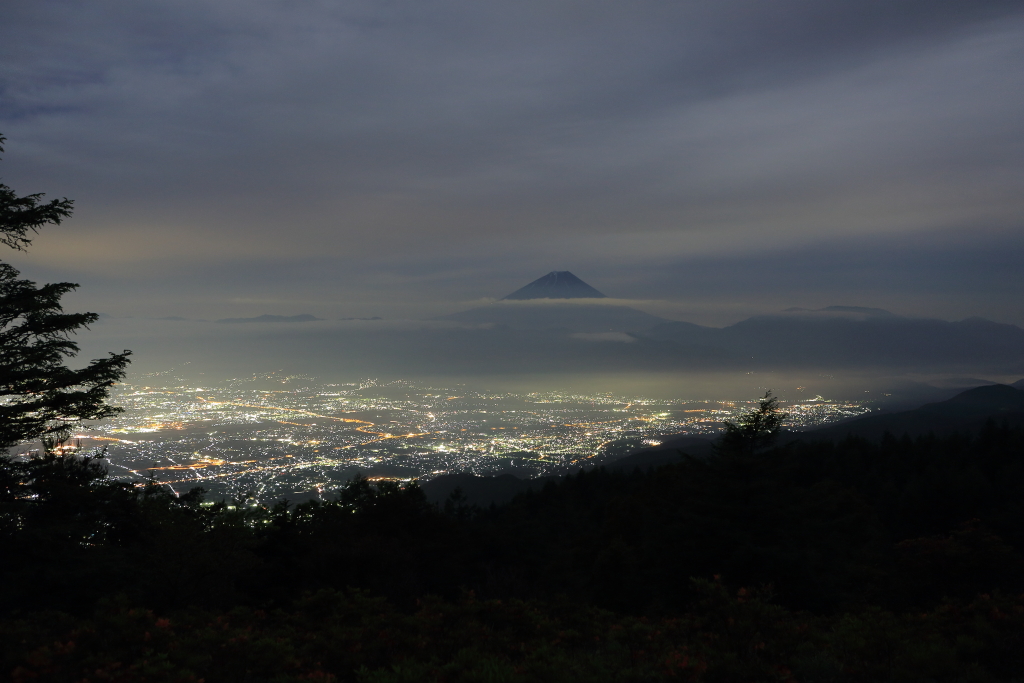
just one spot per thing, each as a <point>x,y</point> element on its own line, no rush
<point>405,159</point>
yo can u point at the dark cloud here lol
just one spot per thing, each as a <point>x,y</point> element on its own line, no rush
<point>387,158</point>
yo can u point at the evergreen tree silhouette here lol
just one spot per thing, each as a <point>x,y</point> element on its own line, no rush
<point>755,430</point>
<point>40,397</point>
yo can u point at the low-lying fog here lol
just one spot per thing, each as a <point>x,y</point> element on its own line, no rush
<point>498,359</point>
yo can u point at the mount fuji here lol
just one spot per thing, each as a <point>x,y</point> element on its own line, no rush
<point>558,284</point>
<point>544,304</point>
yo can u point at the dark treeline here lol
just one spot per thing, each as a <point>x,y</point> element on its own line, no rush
<point>849,561</point>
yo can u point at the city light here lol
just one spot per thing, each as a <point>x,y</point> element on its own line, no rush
<point>231,439</point>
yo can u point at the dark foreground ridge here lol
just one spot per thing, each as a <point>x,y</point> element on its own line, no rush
<point>558,284</point>
<point>968,411</point>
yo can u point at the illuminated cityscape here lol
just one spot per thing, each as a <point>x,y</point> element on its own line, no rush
<point>269,437</point>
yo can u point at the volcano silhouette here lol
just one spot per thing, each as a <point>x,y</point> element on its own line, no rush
<point>542,305</point>
<point>558,284</point>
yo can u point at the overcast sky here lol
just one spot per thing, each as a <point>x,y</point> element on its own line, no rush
<point>402,158</point>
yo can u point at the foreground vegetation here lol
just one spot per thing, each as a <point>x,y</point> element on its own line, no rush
<point>855,561</point>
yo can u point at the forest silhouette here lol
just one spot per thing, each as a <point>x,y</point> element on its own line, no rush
<point>851,560</point>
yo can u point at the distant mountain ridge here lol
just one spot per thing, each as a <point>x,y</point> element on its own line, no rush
<point>843,310</point>
<point>537,335</point>
<point>301,318</point>
<point>586,335</point>
<point>566,317</point>
<point>847,336</point>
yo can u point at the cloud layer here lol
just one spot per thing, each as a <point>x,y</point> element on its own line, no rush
<point>365,158</point>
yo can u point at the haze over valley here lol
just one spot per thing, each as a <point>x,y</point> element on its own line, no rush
<point>559,338</point>
<point>550,379</point>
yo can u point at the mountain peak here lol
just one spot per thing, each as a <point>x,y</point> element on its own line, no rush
<point>558,284</point>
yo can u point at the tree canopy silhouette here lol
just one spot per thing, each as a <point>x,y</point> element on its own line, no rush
<point>755,430</point>
<point>40,397</point>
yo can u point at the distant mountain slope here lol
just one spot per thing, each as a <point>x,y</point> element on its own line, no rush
<point>845,336</point>
<point>962,383</point>
<point>967,411</point>
<point>301,318</point>
<point>846,311</point>
<point>591,335</point>
<point>686,333</point>
<point>558,284</point>
<point>570,317</point>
